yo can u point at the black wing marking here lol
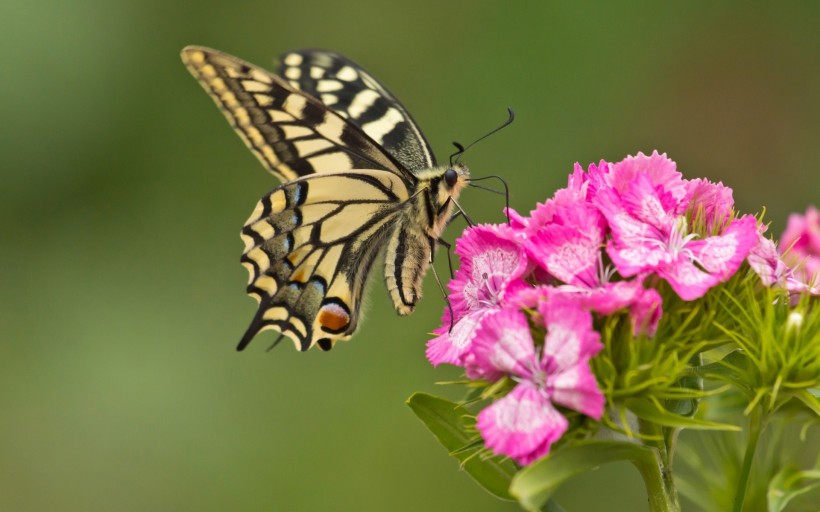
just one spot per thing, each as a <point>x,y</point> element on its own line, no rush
<point>354,94</point>
<point>309,247</point>
<point>291,133</point>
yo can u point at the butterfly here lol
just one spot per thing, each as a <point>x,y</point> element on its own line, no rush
<point>358,178</point>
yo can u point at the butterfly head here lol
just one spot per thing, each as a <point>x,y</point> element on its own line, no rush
<point>446,183</point>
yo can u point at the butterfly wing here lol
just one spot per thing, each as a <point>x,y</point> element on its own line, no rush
<point>351,158</point>
<point>293,134</point>
<point>354,94</point>
<point>309,247</point>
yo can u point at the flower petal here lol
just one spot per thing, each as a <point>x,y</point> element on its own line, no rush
<point>765,261</point>
<point>521,423</point>
<point>722,255</point>
<point>688,281</point>
<point>577,389</point>
<point>570,248</point>
<point>570,337</point>
<point>503,345</point>
<point>646,313</point>
<point>450,347</point>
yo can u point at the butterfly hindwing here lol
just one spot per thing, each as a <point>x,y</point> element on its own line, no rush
<point>309,246</point>
<point>358,178</point>
<point>356,95</point>
<point>293,134</point>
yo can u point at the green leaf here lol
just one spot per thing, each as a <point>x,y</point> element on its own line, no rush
<point>789,483</point>
<point>534,485</point>
<point>445,420</point>
<point>647,410</point>
<point>810,400</point>
<point>730,369</point>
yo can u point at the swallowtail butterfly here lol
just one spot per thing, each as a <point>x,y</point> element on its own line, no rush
<point>358,178</point>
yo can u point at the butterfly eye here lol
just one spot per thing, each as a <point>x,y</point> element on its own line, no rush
<point>450,177</point>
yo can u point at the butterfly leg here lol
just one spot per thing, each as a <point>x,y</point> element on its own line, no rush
<point>462,212</point>
<point>438,281</point>
<point>453,217</point>
<point>449,247</point>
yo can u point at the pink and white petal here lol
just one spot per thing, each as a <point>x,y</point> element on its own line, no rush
<point>611,297</point>
<point>540,451</point>
<point>643,202</point>
<point>688,281</point>
<point>520,423</point>
<point>517,221</point>
<point>577,389</point>
<point>528,296</point>
<point>450,347</point>
<point>631,247</point>
<point>637,258</point>
<point>494,261</point>
<point>723,254</point>
<point>802,234</point>
<point>567,253</point>
<point>503,345</point>
<point>714,200</point>
<point>658,167</point>
<point>766,262</point>
<point>646,313</point>
<point>570,337</point>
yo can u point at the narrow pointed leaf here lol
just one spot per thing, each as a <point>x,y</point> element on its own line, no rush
<point>810,399</point>
<point>444,419</point>
<point>646,410</point>
<point>789,483</point>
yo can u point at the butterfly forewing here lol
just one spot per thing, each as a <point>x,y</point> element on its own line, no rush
<point>291,133</point>
<point>354,94</point>
<point>309,246</point>
<point>358,178</point>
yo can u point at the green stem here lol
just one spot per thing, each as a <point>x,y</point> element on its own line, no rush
<point>755,428</point>
<point>657,476</point>
<point>660,486</point>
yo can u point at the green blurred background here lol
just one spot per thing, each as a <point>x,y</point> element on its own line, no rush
<point>124,189</point>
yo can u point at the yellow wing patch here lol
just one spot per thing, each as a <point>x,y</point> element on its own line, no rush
<point>305,257</point>
<point>291,133</point>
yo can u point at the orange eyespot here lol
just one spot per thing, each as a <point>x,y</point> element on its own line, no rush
<point>333,318</point>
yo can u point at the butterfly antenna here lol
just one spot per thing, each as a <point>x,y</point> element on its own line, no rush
<point>462,149</point>
<point>458,153</point>
<point>504,183</point>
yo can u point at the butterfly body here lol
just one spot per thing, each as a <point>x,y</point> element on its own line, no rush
<point>359,179</point>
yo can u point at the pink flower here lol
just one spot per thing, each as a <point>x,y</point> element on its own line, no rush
<point>491,265</point>
<point>569,248</point>
<point>658,169</point>
<point>712,202</point>
<point>525,423</point>
<point>650,233</point>
<point>575,192</point>
<point>800,247</point>
<point>766,262</point>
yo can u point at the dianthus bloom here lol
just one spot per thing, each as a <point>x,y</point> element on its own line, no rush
<point>800,246</point>
<point>525,297</point>
<point>525,423</point>
<point>492,266</point>
<point>794,264</point>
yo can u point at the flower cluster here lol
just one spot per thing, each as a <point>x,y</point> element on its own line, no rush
<point>526,296</point>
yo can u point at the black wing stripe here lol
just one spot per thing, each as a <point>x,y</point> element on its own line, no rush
<point>270,116</point>
<point>353,93</point>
